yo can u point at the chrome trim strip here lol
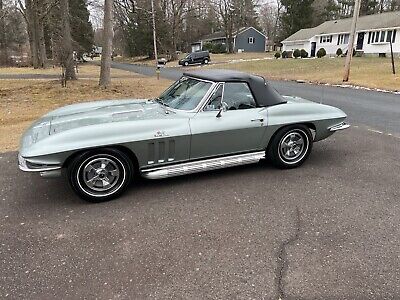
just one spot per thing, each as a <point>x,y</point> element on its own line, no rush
<point>339,126</point>
<point>23,166</point>
<point>26,169</point>
<point>203,165</point>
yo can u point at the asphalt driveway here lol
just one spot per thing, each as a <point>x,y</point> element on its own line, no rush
<point>328,230</point>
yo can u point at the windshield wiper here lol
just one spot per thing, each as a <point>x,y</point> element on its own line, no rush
<point>159,100</point>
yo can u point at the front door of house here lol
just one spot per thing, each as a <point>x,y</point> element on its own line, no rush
<point>360,41</point>
<point>313,48</point>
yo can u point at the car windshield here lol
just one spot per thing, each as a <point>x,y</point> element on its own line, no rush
<point>185,94</point>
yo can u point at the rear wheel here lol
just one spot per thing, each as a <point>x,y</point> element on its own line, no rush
<point>290,147</point>
<point>100,175</point>
<point>206,61</point>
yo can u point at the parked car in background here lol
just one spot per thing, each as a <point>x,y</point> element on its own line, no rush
<point>199,57</point>
<point>206,120</point>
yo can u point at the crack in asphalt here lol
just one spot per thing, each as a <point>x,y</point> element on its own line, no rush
<point>282,263</point>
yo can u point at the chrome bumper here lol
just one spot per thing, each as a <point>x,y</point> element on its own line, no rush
<point>44,170</point>
<point>339,126</point>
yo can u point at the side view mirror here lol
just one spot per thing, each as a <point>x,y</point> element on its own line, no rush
<point>224,107</point>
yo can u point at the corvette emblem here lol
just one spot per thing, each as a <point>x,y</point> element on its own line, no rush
<point>160,133</point>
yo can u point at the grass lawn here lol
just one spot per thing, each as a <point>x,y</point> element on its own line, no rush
<point>225,57</point>
<point>140,60</point>
<point>215,58</point>
<point>84,71</point>
<point>23,101</point>
<point>367,72</point>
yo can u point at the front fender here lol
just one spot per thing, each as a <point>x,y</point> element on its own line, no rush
<point>135,135</point>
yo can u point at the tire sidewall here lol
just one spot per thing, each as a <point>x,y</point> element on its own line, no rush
<point>75,174</point>
<point>274,147</point>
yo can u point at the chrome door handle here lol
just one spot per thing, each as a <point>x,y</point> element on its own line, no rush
<point>259,120</point>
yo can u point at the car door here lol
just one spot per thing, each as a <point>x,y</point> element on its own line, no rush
<point>239,128</point>
<point>195,58</point>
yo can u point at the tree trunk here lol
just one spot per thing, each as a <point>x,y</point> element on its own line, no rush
<point>31,19</point>
<point>42,44</point>
<point>67,59</point>
<point>3,46</point>
<point>105,72</point>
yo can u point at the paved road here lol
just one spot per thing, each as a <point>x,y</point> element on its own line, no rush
<point>327,230</point>
<point>29,76</point>
<point>377,110</point>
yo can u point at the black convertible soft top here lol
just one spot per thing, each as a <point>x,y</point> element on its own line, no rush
<point>264,94</point>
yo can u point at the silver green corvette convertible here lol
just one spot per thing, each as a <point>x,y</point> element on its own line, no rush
<point>206,120</point>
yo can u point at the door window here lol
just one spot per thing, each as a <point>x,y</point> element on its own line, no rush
<point>237,95</point>
<point>215,100</point>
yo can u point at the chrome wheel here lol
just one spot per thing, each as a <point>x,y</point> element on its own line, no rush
<point>101,174</point>
<point>293,146</point>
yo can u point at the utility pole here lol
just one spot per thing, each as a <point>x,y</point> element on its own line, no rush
<point>155,38</point>
<point>350,48</point>
<point>392,56</point>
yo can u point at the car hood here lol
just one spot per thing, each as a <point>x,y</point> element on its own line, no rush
<point>104,112</point>
<point>295,99</point>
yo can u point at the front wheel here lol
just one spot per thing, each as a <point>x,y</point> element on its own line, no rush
<point>206,61</point>
<point>100,175</point>
<point>290,147</point>
<point>185,63</point>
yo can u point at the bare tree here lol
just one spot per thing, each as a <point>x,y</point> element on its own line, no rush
<point>105,72</point>
<point>67,58</point>
<point>269,20</point>
<point>35,13</point>
<point>227,14</point>
<point>3,46</point>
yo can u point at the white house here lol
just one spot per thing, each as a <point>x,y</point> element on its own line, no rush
<point>373,36</point>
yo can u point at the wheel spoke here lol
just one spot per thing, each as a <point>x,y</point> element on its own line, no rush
<point>89,168</point>
<point>114,172</point>
<point>91,182</point>
<point>104,164</point>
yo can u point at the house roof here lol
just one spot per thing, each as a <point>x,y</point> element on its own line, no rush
<point>214,36</point>
<point>221,34</point>
<point>376,21</point>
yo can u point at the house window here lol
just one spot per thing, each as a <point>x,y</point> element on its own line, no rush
<point>382,36</point>
<point>343,39</point>
<point>325,39</point>
<point>250,40</point>
<point>389,36</point>
<point>377,36</point>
